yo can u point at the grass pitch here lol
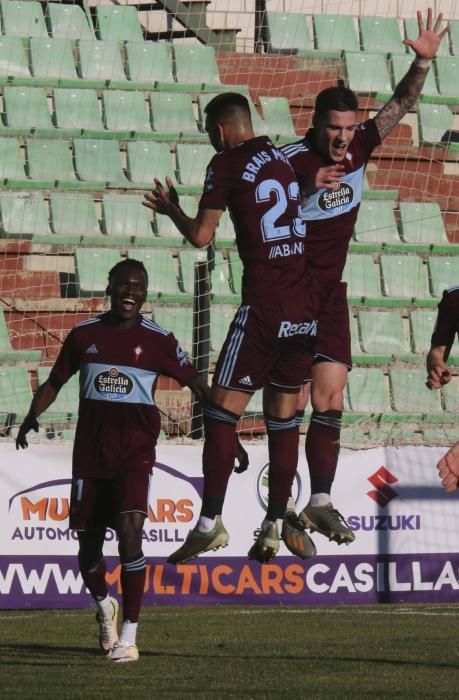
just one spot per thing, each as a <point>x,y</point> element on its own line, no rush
<point>232,652</point>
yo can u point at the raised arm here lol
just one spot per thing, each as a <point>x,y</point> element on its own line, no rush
<point>409,88</point>
<point>198,231</point>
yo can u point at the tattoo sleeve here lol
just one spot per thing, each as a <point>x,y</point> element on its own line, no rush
<point>404,98</point>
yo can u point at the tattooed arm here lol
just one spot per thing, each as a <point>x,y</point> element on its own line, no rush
<point>410,87</point>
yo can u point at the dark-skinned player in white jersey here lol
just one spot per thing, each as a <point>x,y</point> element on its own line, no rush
<point>329,164</point>
<point>271,334</point>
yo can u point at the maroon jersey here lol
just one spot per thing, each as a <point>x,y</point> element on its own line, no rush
<point>447,323</point>
<point>257,184</point>
<point>330,214</point>
<point>118,420</point>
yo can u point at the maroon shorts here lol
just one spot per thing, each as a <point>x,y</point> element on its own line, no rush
<point>333,340</point>
<point>269,344</point>
<point>96,503</point>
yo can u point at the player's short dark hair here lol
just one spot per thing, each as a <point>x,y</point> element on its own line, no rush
<point>127,262</point>
<point>227,105</point>
<point>338,98</point>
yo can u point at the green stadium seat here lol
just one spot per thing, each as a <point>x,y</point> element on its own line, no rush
<point>367,391</point>
<point>422,325</point>
<point>65,407</point>
<point>187,260</point>
<point>50,163</point>
<point>422,223</point>
<point>440,436</point>
<point>400,66</point>
<point>355,340</point>
<point>410,394</point>
<point>383,333</point>
<point>124,217</point>
<point>77,112</point>
<point>147,160</point>
<point>8,353</point>
<point>277,117</point>
<point>173,115</point>
<point>412,32</point>
<point>192,161</point>
<point>335,32</point>
<point>354,437</point>
<point>404,276</point>
<point>150,63</point>
<point>220,320</point>
<point>92,266</point>
<point>163,282</point>
<point>125,112</point>
<point>26,110</point>
<point>11,163</point>
<point>454,36</point>
<point>434,121</point>
<point>448,76</point>
<point>225,229</point>
<point>100,63</point>
<point>13,60</point>
<point>52,60</point>
<point>443,272</point>
<point>381,34</point>
<point>219,281</point>
<point>361,276</point>
<point>451,397</point>
<point>100,161</point>
<point>15,393</point>
<point>196,67</point>
<point>23,18</point>
<point>287,32</point>
<point>118,23</point>
<point>376,223</point>
<point>235,267</point>
<point>367,73</point>
<point>178,320</point>
<point>74,216</point>
<point>24,215</point>
<point>166,229</point>
<point>68,21</point>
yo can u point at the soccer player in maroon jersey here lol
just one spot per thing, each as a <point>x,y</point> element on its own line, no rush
<point>438,373</point>
<point>444,333</point>
<point>329,164</point>
<point>120,355</point>
<point>271,332</point>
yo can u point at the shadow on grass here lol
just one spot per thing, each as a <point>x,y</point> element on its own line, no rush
<point>27,653</point>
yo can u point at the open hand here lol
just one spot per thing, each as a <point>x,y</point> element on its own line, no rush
<point>448,468</point>
<point>161,200</point>
<point>428,41</point>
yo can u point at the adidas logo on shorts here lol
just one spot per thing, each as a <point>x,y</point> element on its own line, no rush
<point>246,380</point>
<point>92,349</point>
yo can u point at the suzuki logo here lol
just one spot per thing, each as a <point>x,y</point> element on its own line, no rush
<point>381,480</point>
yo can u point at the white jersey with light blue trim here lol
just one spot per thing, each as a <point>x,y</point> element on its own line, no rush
<point>330,214</point>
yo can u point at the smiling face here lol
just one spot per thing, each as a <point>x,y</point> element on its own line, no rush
<point>334,134</point>
<point>128,291</point>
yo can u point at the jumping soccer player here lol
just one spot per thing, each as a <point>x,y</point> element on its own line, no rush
<point>120,355</point>
<point>329,164</point>
<point>271,332</point>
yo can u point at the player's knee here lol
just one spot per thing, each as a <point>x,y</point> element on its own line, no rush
<point>329,399</point>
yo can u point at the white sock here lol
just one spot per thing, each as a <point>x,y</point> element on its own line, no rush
<point>128,632</point>
<point>206,524</point>
<point>319,499</point>
<point>291,505</point>
<point>105,606</point>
